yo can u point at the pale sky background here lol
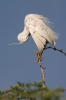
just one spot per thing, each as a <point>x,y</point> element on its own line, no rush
<point>17,61</point>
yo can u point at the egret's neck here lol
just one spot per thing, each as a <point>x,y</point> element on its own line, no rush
<point>23,36</point>
<point>26,30</point>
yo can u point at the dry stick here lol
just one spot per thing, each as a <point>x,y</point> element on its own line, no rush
<point>54,48</point>
<point>39,59</point>
<point>43,74</point>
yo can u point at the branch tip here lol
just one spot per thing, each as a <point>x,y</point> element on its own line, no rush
<point>54,48</point>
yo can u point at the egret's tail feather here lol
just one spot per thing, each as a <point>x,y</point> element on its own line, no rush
<point>13,43</point>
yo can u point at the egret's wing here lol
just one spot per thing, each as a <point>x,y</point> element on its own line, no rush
<point>46,32</point>
<point>39,40</point>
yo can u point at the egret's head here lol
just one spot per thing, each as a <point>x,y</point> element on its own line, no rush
<point>22,38</point>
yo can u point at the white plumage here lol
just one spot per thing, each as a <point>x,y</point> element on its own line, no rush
<point>38,27</point>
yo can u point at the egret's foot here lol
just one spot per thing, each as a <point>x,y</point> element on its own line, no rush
<point>38,55</point>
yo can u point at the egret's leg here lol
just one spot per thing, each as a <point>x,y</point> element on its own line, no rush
<point>38,55</point>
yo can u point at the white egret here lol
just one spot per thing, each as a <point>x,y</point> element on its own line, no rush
<point>38,27</point>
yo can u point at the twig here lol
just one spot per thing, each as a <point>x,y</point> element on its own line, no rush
<point>39,59</point>
<point>54,48</point>
<point>43,74</point>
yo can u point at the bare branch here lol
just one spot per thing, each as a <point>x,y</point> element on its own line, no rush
<point>39,59</point>
<point>55,49</point>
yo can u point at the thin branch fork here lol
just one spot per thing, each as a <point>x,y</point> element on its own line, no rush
<point>39,59</point>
